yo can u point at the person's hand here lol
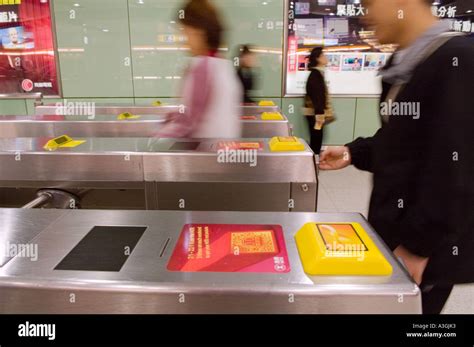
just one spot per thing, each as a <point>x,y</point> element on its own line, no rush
<point>335,158</point>
<point>415,264</point>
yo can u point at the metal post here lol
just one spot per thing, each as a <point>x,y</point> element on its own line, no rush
<point>39,201</point>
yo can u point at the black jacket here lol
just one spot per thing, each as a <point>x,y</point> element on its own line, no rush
<point>316,93</point>
<point>246,78</point>
<point>423,194</point>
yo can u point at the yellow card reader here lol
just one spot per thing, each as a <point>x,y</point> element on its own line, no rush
<point>63,141</point>
<point>286,144</point>
<point>272,116</point>
<point>341,249</point>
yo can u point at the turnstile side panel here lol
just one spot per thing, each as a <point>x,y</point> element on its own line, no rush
<point>70,167</point>
<point>274,168</point>
<point>223,196</point>
<point>40,301</point>
<point>304,197</point>
<point>263,129</point>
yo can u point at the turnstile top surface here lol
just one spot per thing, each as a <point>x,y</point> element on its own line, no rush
<point>161,117</point>
<point>138,145</point>
<point>116,109</point>
<point>79,118</point>
<point>145,270</point>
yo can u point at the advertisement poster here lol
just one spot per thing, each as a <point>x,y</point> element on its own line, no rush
<point>27,58</point>
<point>354,55</point>
<point>230,248</point>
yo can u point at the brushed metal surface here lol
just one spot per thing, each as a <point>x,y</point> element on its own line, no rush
<point>109,126</point>
<point>108,109</point>
<point>145,286</point>
<point>108,164</point>
<point>139,159</point>
<point>114,109</point>
<point>16,230</point>
<point>222,196</point>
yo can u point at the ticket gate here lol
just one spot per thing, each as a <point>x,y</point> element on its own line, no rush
<point>116,109</point>
<point>253,126</point>
<point>159,174</point>
<point>73,261</point>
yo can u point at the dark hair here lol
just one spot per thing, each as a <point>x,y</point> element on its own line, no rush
<point>201,14</point>
<point>244,49</point>
<point>314,56</point>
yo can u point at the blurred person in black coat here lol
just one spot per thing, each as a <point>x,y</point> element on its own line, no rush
<point>246,73</point>
<point>422,202</point>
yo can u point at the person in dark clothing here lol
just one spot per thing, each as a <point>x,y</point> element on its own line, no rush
<point>247,62</point>
<point>316,99</point>
<point>422,159</point>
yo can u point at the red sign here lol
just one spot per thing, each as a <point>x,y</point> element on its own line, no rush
<point>230,248</point>
<point>248,117</point>
<point>240,145</point>
<point>27,56</point>
<point>27,85</point>
<point>292,50</point>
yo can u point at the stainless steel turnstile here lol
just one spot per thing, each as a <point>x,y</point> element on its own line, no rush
<point>49,280</point>
<point>164,174</point>
<point>110,126</point>
<point>116,109</point>
<point>252,123</point>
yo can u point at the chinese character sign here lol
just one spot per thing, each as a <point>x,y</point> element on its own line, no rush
<point>350,10</point>
<point>444,11</point>
<point>27,56</point>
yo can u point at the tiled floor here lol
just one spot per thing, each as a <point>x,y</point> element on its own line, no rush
<point>348,190</point>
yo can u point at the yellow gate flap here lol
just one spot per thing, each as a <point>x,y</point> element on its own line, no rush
<point>339,249</point>
<point>272,116</point>
<point>286,144</point>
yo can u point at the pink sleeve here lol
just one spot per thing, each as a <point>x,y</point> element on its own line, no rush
<point>185,124</point>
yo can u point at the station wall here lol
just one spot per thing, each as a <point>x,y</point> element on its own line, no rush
<point>129,51</point>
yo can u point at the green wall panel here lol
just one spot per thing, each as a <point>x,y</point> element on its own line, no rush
<point>337,133</point>
<point>157,49</point>
<point>159,58</point>
<point>13,107</point>
<point>260,24</point>
<point>291,107</point>
<point>342,130</point>
<point>367,117</point>
<point>94,48</point>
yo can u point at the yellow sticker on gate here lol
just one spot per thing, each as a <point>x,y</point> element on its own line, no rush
<point>63,141</point>
<point>126,116</point>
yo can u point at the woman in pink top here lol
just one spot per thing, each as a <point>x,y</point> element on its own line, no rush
<point>211,93</point>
